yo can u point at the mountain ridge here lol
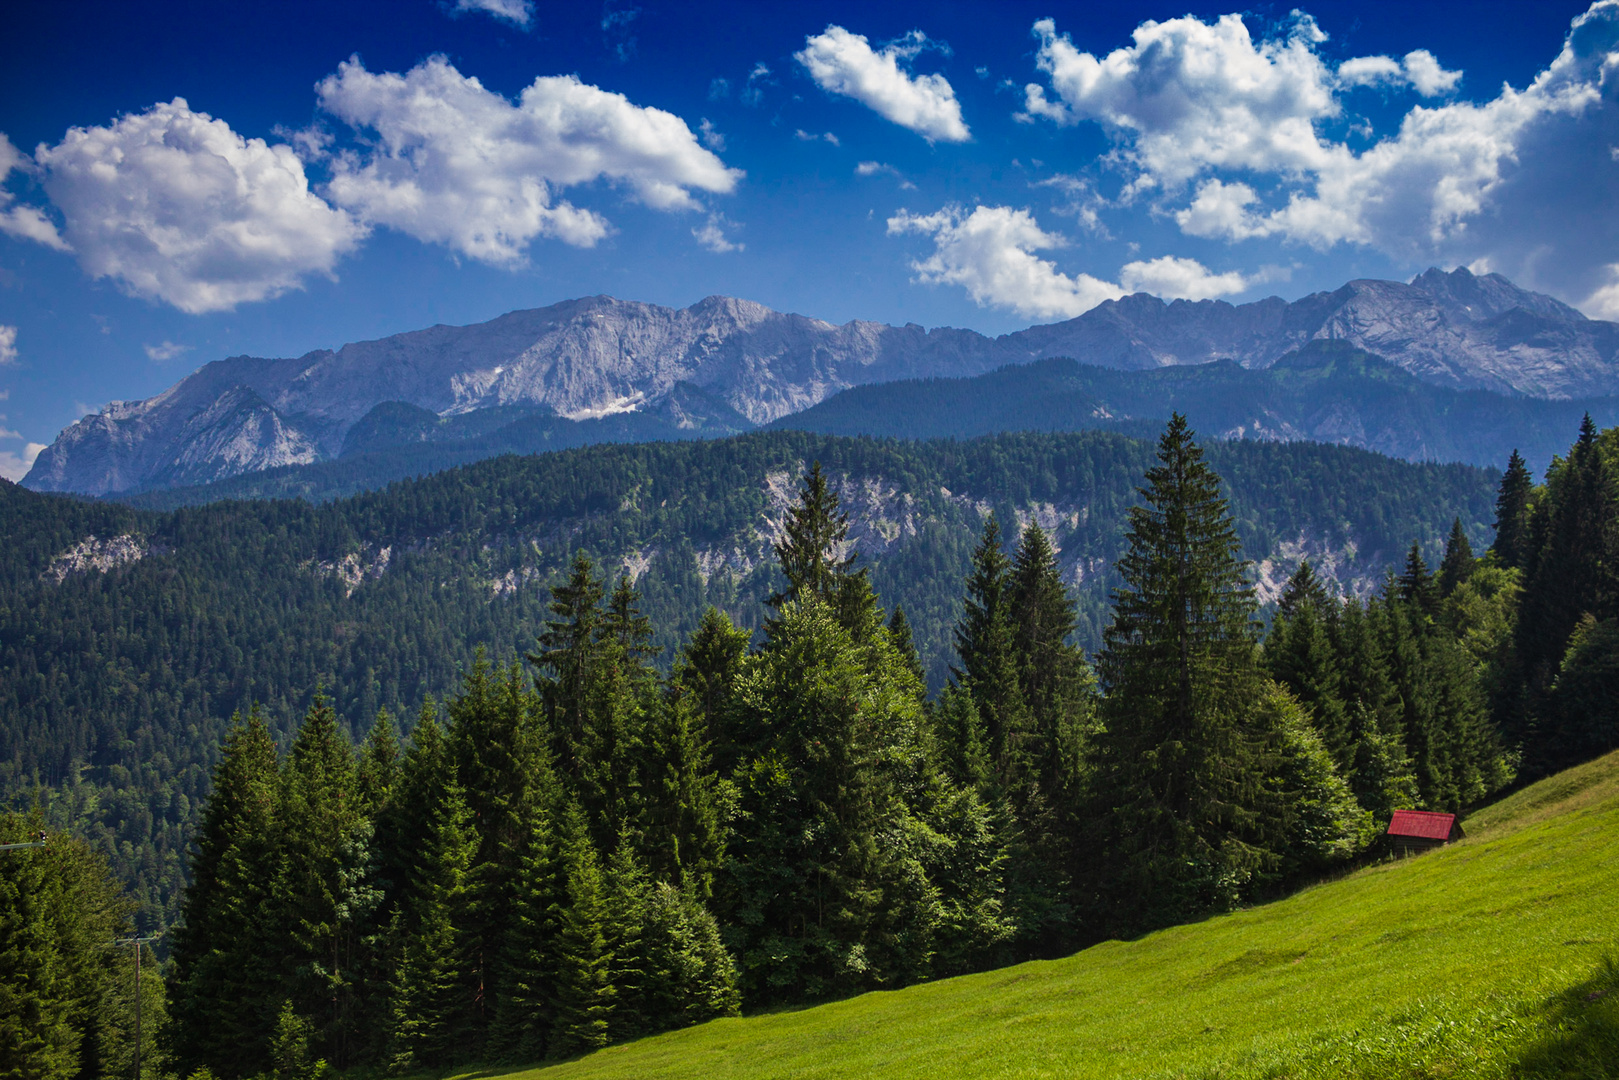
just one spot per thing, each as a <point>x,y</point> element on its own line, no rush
<point>585,359</point>
<point>1328,392</point>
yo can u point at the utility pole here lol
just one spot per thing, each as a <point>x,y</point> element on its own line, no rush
<point>138,942</point>
<point>32,843</point>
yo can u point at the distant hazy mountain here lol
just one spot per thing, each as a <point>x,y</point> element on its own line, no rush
<point>1454,329</point>
<point>724,364</point>
<point>1328,392</point>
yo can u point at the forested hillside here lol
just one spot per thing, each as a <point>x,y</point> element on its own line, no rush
<point>1327,391</point>
<point>586,852</point>
<point>580,847</point>
<point>127,638</point>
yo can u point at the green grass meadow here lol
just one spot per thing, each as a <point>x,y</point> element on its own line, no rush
<point>1497,956</point>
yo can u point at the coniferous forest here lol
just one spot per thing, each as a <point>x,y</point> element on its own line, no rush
<point>582,845</point>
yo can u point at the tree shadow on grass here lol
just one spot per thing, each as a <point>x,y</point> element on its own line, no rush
<point>1582,1032</point>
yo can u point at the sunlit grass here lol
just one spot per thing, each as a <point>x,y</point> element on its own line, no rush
<point>1493,957</point>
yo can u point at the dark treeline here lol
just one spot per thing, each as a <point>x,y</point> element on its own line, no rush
<point>116,685</point>
<point>586,849</point>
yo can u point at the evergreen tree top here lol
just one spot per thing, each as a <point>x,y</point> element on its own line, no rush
<point>810,550</point>
<point>1304,587</point>
<point>1512,540</point>
<point>624,625</point>
<point>1185,582</point>
<point>1457,566</point>
<point>1416,585</point>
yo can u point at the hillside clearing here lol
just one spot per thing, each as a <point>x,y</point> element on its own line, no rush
<point>1495,957</point>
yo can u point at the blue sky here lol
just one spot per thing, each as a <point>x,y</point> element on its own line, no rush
<point>185,182</point>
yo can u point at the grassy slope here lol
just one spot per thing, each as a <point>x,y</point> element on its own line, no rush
<point>1493,957</point>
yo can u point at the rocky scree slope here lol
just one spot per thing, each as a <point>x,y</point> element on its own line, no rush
<point>597,357</point>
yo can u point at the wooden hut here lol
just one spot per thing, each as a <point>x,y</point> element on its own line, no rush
<point>1415,831</point>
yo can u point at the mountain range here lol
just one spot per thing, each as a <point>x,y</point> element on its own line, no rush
<point>601,369</point>
<point>1327,392</point>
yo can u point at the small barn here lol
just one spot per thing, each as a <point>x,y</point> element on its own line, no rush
<point>1415,831</point>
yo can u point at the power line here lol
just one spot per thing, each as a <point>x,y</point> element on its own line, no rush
<point>137,942</point>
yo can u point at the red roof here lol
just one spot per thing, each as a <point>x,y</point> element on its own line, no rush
<point>1429,826</point>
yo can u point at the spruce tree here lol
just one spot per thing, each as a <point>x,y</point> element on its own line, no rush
<point>1571,573</point>
<point>624,626</point>
<point>989,668</point>
<point>526,1014</point>
<point>1179,764</point>
<point>226,987</point>
<point>628,888</point>
<point>569,654</point>
<point>1300,654</point>
<point>1417,586</point>
<point>38,1037</point>
<point>1511,545</point>
<point>66,1000</point>
<point>322,902</point>
<point>1582,710</point>
<point>684,839</point>
<point>1304,587</point>
<point>426,769</point>
<point>814,873</point>
<point>706,671</point>
<point>585,994</point>
<point>1056,682</point>
<point>1378,768</point>
<point>689,975</point>
<point>379,774</point>
<point>1457,566</point>
<point>1454,750</point>
<point>496,738</point>
<point>379,764</point>
<point>431,1004</point>
<point>816,558</point>
<point>899,632</point>
<point>960,735</point>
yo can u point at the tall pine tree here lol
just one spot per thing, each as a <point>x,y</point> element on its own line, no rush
<point>1195,737</point>
<point>226,987</point>
<point>322,901</point>
<point>989,669</point>
<point>1512,541</point>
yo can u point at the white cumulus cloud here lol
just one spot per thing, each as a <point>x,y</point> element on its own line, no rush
<point>1604,302</point>
<point>1420,70</point>
<point>1190,95</point>
<point>24,222</point>
<point>8,346</point>
<point>711,235</point>
<point>844,63</point>
<point>14,466</point>
<point>1517,180</point>
<point>457,164</point>
<point>166,351</point>
<point>1175,278</point>
<point>990,253</point>
<point>520,12</point>
<point>175,206</point>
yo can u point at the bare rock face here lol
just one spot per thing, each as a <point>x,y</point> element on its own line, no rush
<point>96,556</point>
<point>593,357</point>
<point>1452,329</point>
<point>582,359</point>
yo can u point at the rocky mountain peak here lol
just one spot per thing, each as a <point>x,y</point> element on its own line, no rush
<point>599,356</point>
